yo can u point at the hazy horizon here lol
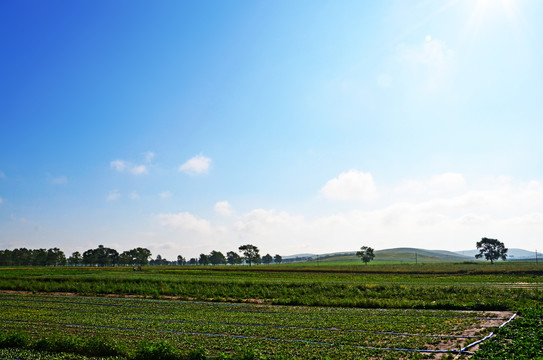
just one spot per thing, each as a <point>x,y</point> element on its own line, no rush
<point>299,127</point>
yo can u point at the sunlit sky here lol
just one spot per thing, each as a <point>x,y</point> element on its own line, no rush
<point>296,126</point>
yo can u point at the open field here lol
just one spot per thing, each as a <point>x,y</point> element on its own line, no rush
<point>439,286</point>
<point>283,331</point>
<point>294,311</point>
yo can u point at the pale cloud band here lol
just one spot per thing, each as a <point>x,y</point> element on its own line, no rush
<point>60,180</point>
<point>199,164</point>
<point>223,208</point>
<point>496,207</point>
<point>113,195</point>
<point>122,166</point>
<point>350,186</point>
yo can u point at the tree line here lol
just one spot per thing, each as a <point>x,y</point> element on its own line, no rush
<point>104,256</point>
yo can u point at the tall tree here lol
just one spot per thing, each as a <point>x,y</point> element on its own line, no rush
<point>204,259</point>
<point>216,258</point>
<point>267,259</point>
<point>75,258</point>
<point>491,249</point>
<point>233,258</point>
<point>365,254</point>
<point>181,260</point>
<point>277,259</point>
<point>250,254</point>
<point>55,257</point>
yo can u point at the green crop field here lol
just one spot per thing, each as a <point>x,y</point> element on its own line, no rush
<point>284,312</point>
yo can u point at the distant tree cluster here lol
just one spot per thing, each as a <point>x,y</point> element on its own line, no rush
<point>105,256</point>
<point>29,257</point>
<point>250,254</point>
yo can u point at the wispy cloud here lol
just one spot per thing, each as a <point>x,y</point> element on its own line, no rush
<point>122,166</point>
<point>113,195</point>
<point>185,221</point>
<point>134,195</point>
<point>165,195</point>
<point>148,156</point>
<point>2,175</point>
<point>60,180</point>
<point>1,201</point>
<point>196,165</point>
<point>496,207</point>
<point>139,170</point>
<point>430,62</point>
<point>118,165</point>
<point>223,208</point>
<point>350,186</point>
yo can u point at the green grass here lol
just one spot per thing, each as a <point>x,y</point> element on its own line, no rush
<point>447,286</point>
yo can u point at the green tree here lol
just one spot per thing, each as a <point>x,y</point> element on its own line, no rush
<point>365,254</point>
<point>75,259</point>
<point>217,258</point>
<point>181,260</point>
<point>277,259</point>
<point>55,257</point>
<point>204,259</point>
<point>250,254</point>
<point>267,259</point>
<point>491,249</point>
<point>233,258</point>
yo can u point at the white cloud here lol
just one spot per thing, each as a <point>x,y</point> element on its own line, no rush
<point>139,170</point>
<point>165,195</point>
<point>135,169</point>
<point>435,185</point>
<point>119,165</point>
<point>2,175</point>
<point>223,208</point>
<point>59,180</point>
<point>431,62</point>
<point>196,165</point>
<point>134,195</point>
<point>1,200</point>
<point>496,207</point>
<point>148,156</point>
<point>185,221</point>
<point>350,186</point>
<point>113,195</point>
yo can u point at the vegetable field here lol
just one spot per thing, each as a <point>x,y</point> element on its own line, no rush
<point>222,329</point>
<point>276,312</point>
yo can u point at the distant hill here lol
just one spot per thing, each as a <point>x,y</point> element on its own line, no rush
<point>512,254</point>
<point>395,255</point>
<point>407,255</point>
<point>414,254</point>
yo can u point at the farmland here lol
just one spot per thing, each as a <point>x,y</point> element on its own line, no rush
<point>349,312</point>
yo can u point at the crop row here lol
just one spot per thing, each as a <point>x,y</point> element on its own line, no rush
<point>223,327</point>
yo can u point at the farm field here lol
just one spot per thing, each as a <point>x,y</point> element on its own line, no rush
<point>283,312</point>
<point>281,331</point>
<point>460,286</point>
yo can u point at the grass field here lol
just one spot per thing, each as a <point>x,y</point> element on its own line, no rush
<point>294,311</point>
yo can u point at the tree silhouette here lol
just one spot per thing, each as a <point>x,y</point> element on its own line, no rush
<point>365,254</point>
<point>491,249</point>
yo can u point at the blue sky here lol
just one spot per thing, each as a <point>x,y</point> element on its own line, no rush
<point>297,126</point>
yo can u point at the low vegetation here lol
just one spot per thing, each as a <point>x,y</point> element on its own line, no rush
<point>234,310</point>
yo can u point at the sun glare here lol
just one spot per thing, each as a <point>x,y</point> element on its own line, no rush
<point>487,11</point>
